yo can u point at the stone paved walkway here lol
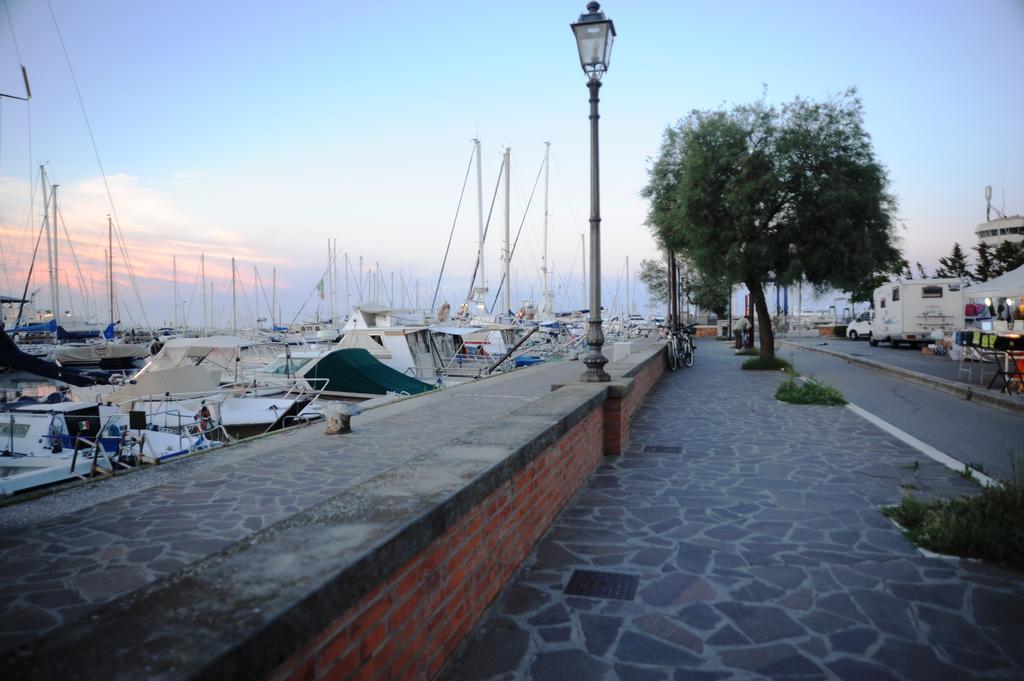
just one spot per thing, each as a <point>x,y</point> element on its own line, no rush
<point>65,555</point>
<point>753,527</point>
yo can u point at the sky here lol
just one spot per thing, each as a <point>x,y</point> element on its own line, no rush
<point>260,130</point>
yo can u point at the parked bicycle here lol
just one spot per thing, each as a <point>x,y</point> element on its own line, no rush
<point>681,347</point>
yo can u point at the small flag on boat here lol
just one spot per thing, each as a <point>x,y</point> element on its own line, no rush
<point>320,288</point>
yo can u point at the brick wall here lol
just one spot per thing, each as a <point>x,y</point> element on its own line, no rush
<point>409,626</point>
<point>619,409</point>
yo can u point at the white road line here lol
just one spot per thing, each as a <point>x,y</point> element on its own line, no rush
<point>923,447</point>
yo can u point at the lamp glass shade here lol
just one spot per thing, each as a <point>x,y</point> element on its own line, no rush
<point>594,39</point>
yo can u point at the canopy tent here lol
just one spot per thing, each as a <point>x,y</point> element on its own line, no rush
<point>1010,284</point>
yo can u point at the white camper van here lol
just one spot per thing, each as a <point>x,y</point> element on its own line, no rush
<point>909,311</point>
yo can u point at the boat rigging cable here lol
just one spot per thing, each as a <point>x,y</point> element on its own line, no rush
<point>28,115</point>
<point>458,208</point>
<point>99,162</point>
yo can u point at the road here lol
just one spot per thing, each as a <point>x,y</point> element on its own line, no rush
<point>967,431</point>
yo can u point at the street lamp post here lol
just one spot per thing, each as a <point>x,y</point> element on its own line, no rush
<point>594,36</point>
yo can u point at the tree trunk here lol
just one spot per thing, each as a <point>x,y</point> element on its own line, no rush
<point>764,319</point>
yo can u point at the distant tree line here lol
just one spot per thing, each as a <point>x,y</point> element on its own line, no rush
<point>990,262</point>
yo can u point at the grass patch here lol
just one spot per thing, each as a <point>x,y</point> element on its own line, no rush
<point>770,364</point>
<point>985,526</point>
<point>809,392</point>
<point>748,352</point>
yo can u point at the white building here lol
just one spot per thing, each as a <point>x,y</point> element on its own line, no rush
<point>995,232</point>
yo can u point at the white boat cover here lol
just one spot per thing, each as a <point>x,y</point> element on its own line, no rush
<point>191,380</point>
<point>251,411</point>
<point>94,352</point>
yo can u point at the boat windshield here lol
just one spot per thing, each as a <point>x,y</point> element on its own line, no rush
<point>287,365</point>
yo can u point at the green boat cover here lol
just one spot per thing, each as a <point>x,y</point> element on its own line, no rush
<point>355,370</point>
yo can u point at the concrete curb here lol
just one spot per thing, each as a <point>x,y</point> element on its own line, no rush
<point>967,392</point>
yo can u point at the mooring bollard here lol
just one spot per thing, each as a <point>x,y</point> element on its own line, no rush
<point>339,417</point>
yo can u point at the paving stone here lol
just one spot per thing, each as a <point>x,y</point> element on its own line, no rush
<point>642,649</point>
<point>976,662</point>
<point>848,669</point>
<point>917,662</point>
<point>499,648</point>
<point>566,664</point>
<point>947,628</point>
<point>945,595</point>
<point>825,622</point>
<point>555,614</point>
<point>855,640</point>
<point>890,614</point>
<point>841,604</point>
<point>651,557</point>
<point>627,672</point>
<point>701,675</point>
<point>599,631</point>
<point>815,647</point>
<point>848,577</point>
<point>782,576</point>
<point>668,590</point>
<point>693,558</point>
<point>700,616</point>
<point>520,599</point>
<point>662,627</point>
<point>774,660</point>
<point>798,600</point>
<point>756,592</point>
<point>555,634</point>
<point>993,608</point>
<point>102,586</point>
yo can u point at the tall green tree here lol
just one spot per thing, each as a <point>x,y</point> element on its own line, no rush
<point>920,271</point>
<point>759,192</point>
<point>653,274</point>
<point>701,290</point>
<point>985,269</point>
<point>1007,256</point>
<point>954,265</point>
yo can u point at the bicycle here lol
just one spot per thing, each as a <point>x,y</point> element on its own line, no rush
<point>681,348</point>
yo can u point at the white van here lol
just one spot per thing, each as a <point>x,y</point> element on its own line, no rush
<point>909,311</point>
<point>860,327</point>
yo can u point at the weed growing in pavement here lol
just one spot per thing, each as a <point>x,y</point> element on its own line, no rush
<point>912,466</point>
<point>769,364</point>
<point>808,392</point>
<point>968,474</point>
<point>986,525</point>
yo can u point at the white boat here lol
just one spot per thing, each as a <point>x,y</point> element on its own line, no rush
<point>47,443</point>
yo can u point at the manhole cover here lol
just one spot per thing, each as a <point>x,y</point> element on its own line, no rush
<point>602,585</point>
<point>663,449</point>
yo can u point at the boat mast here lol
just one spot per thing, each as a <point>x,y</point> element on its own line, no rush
<point>480,291</point>
<point>330,282</point>
<point>348,302</point>
<point>273,301</point>
<point>256,296</point>
<point>546,303</point>
<point>627,289</point>
<point>49,242</point>
<point>110,266</point>
<point>202,292</point>
<point>234,308</point>
<point>507,297</point>
<point>56,267</point>
<point>174,288</point>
